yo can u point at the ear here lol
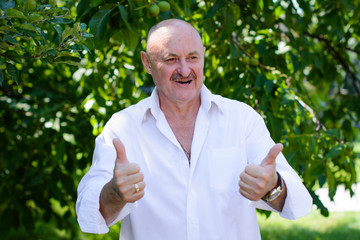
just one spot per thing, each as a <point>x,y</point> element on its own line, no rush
<point>146,62</point>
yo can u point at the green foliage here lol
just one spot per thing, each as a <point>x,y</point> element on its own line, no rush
<point>298,66</point>
<point>33,31</point>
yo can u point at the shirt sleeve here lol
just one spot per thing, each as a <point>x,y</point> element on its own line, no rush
<point>298,202</point>
<point>88,202</point>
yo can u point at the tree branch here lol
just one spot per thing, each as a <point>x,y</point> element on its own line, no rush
<point>337,56</point>
<point>314,119</point>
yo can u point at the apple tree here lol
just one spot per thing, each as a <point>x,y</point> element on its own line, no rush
<point>67,66</point>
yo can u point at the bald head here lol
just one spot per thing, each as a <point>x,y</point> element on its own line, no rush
<point>174,58</point>
<point>170,28</point>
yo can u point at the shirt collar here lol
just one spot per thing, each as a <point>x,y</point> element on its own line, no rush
<point>208,101</point>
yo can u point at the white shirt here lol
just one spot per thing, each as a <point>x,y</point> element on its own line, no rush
<point>200,201</point>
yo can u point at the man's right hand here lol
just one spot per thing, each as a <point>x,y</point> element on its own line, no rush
<point>127,185</point>
<point>127,180</point>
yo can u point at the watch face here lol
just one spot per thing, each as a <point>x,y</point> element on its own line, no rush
<point>274,196</point>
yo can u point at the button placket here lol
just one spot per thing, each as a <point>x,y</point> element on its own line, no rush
<point>191,217</point>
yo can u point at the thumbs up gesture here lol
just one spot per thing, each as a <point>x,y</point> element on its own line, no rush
<point>127,180</point>
<point>257,180</point>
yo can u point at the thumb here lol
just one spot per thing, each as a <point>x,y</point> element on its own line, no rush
<point>120,152</point>
<point>271,156</point>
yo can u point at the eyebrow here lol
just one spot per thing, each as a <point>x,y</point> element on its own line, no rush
<point>175,55</point>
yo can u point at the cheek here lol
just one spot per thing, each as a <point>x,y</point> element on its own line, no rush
<point>166,72</point>
<point>199,68</point>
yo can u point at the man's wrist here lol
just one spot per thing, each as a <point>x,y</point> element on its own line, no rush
<point>275,192</point>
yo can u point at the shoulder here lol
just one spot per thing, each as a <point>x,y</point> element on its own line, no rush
<point>235,107</point>
<point>126,120</point>
<point>132,112</point>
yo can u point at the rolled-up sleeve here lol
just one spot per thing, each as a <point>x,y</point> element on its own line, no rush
<point>298,201</point>
<point>88,202</point>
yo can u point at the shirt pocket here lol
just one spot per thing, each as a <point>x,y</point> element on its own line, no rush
<point>225,166</point>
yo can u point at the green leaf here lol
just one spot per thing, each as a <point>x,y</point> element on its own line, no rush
<point>66,58</point>
<point>331,182</point>
<point>274,127</point>
<point>127,88</point>
<point>215,9</point>
<point>77,64</point>
<point>235,10</point>
<point>334,152</point>
<point>13,13</point>
<point>123,13</point>
<point>324,211</point>
<point>14,56</point>
<point>288,97</point>
<point>1,77</point>
<point>11,39</point>
<point>83,26</point>
<point>131,38</point>
<point>26,26</point>
<point>59,30</point>
<point>98,24</point>
<point>295,62</point>
<point>13,72</point>
<point>87,35</point>
<point>76,47</point>
<point>228,24</point>
<point>35,17</point>
<point>259,81</point>
<point>269,85</point>
<point>95,3</point>
<point>5,28</point>
<point>124,16</point>
<point>66,33</point>
<point>52,52</point>
<point>61,20</point>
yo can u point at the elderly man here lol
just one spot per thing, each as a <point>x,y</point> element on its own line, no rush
<point>194,150</point>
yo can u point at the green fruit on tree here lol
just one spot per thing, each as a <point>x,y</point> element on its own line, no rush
<point>254,62</point>
<point>245,59</point>
<point>30,5</point>
<point>53,3</point>
<point>164,6</point>
<point>154,10</point>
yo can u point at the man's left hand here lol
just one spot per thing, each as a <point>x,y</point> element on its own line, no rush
<point>257,180</point>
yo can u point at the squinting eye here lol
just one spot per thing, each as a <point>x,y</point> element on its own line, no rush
<point>170,60</point>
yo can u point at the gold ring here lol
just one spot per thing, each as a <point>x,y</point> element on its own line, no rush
<point>137,189</point>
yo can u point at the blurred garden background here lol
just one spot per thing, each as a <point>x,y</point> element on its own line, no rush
<point>67,66</point>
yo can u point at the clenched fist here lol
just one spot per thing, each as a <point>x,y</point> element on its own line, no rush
<point>127,181</point>
<point>257,180</point>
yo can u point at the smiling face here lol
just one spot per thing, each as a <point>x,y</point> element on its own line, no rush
<point>175,59</point>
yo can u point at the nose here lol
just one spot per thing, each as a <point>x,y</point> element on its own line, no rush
<point>184,68</point>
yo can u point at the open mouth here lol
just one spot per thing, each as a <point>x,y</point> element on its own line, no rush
<point>184,82</point>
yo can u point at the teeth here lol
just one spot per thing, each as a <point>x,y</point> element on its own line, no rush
<point>185,82</point>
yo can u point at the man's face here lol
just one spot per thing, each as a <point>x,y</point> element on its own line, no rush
<point>176,64</point>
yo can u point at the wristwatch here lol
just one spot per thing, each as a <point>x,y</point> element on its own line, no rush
<point>274,193</point>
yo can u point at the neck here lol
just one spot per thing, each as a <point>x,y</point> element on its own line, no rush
<point>181,118</point>
<point>180,111</point>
